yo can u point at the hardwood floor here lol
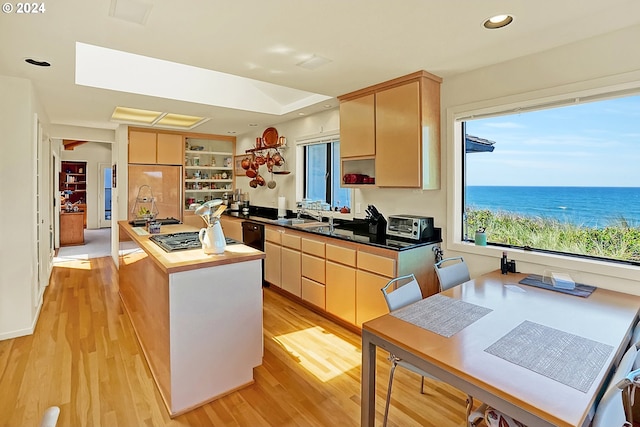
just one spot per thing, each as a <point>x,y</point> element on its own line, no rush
<point>84,358</point>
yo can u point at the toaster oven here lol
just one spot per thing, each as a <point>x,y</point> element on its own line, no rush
<point>410,227</point>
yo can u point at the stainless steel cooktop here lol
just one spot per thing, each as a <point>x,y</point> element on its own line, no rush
<point>182,241</point>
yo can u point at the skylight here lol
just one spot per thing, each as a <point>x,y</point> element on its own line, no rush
<point>126,72</point>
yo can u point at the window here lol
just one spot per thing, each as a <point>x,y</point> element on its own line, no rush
<point>322,173</point>
<point>561,180</point>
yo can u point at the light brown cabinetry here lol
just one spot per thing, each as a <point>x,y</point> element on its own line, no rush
<point>313,271</point>
<point>273,263</point>
<point>357,127</point>
<point>231,227</point>
<point>340,277</point>
<point>154,148</point>
<point>406,123</point>
<point>291,267</point>
<point>341,282</point>
<point>374,271</point>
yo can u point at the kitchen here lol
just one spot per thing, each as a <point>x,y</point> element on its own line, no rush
<point>583,64</point>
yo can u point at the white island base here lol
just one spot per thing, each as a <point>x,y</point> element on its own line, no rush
<point>200,325</point>
<point>215,331</point>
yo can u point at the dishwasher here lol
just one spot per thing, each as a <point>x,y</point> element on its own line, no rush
<point>253,236</point>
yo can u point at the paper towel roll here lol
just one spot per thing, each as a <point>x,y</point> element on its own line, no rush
<point>282,207</point>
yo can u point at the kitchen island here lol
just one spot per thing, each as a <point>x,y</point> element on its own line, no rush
<point>197,317</point>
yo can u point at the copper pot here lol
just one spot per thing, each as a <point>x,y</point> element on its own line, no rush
<point>260,180</point>
<point>253,183</point>
<point>246,163</point>
<point>251,173</point>
<point>261,160</point>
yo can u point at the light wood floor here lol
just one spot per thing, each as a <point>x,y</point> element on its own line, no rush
<point>84,358</point>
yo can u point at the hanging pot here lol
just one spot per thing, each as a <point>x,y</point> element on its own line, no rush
<point>251,173</point>
<point>253,183</point>
<point>246,163</point>
<point>260,180</point>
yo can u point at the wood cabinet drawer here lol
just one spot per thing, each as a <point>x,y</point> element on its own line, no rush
<point>341,255</point>
<point>291,241</point>
<point>313,292</point>
<point>313,247</point>
<point>313,268</point>
<point>377,264</point>
<point>273,235</point>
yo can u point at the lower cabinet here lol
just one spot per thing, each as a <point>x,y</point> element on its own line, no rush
<point>272,263</point>
<point>370,302</point>
<point>341,291</point>
<point>342,278</point>
<point>313,271</point>
<point>291,271</point>
<point>232,228</point>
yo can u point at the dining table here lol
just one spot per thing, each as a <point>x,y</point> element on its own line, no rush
<point>539,354</point>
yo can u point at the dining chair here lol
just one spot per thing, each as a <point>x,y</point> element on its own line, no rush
<point>398,293</point>
<point>453,274</point>
<point>611,410</point>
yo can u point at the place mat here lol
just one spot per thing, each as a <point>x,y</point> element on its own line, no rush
<point>579,291</point>
<point>440,314</point>
<point>569,359</point>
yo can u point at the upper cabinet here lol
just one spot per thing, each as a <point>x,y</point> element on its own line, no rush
<point>390,133</point>
<point>154,148</point>
<point>357,127</point>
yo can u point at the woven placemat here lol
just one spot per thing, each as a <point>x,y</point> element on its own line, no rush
<point>580,290</point>
<point>569,359</point>
<point>440,314</point>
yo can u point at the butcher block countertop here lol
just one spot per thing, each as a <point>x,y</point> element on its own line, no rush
<point>173,262</point>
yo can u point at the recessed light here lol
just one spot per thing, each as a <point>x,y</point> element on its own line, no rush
<point>37,62</point>
<point>253,124</point>
<point>301,114</point>
<point>231,131</point>
<point>327,105</point>
<point>498,21</point>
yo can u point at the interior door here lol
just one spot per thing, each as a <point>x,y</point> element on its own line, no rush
<point>104,196</point>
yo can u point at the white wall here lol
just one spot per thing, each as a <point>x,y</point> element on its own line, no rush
<point>609,61</point>
<point>93,153</point>
<point>18,275</point>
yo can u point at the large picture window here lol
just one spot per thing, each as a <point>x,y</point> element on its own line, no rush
<point>562,180</point>
<point>322,174</point>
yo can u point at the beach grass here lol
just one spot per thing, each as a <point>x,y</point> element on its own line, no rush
<point>619,241</point>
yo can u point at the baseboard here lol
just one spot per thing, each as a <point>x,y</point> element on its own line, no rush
<point>25,331</point>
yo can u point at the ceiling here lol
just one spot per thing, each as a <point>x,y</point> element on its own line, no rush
<point>366,41</point>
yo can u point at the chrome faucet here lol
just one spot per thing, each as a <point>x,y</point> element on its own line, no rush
<point>317,215</point>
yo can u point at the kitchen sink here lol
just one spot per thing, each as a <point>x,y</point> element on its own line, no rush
<point>302,222</point>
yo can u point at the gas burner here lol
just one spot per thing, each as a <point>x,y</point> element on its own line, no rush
<point>182,241</point>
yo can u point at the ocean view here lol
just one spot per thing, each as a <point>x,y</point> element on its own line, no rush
<point>595,207</point>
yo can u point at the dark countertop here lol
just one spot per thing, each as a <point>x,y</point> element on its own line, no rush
<point>353,231</point>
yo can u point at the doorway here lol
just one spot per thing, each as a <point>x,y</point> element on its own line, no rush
<point>104,196</point>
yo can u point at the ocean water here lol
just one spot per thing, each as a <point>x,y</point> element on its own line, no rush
<point>586,206</point>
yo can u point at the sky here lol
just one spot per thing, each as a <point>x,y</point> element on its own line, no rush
<point>594,144</point>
